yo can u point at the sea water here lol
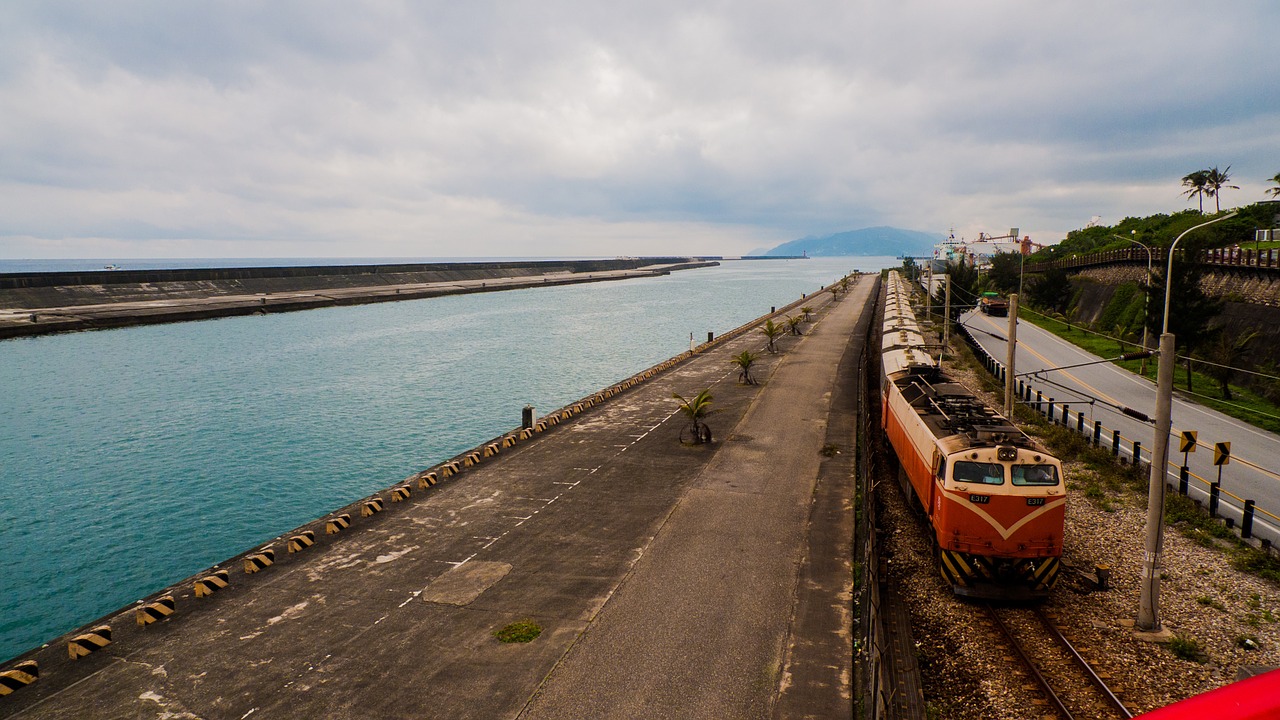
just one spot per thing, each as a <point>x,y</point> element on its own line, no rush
<point>133,458</point>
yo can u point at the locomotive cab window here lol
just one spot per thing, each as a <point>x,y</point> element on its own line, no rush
<point>1035,475</point>
<point>978,472</point>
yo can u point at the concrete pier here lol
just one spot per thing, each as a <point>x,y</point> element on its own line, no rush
<point>670,580</point>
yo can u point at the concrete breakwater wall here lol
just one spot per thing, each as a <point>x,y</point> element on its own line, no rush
<point>44,303</point>
<point>60,289</point>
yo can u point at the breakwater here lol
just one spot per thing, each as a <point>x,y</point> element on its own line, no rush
<point>43,303</point>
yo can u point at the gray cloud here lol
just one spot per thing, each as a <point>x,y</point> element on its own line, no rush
<point>324,128</point>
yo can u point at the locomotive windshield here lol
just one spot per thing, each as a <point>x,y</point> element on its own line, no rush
<point>1035,475</point>
<point>978,472</point>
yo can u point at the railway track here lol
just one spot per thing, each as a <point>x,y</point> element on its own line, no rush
<point>1070,685</point>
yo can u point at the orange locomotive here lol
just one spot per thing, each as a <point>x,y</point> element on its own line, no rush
<point>996,504</point>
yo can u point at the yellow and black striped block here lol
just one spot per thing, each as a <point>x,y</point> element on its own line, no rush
<point>541,426</point>
<point>426,480</point>
<point>257,561</point>
<point>472,459</point>
<point>90,642</point>
<point>337,524</point>
<point>450,469</point>
<point>526,433</point>
<point>400,494</point>
<point>371,507</point>
<point>962,570</point>
<point>19,676</point>
<point>210,584</point>
<point>491,449</point>
<point>156,611</point>
<point>509,441</point>
<point>302,541</point>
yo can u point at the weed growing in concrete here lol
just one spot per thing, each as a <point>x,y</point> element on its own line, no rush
<point>522,631</point>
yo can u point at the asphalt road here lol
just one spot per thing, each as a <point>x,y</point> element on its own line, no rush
<point>1253,471</point>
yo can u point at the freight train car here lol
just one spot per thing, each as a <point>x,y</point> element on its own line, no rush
<point>995,503</point>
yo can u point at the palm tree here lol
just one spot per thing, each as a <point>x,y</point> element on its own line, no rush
<point>808,311</point>
<point>793,324</point>
<point>1196,182</point>
<point>1275,191</point>
<point>1215,182</point>
<point>844,282</point>
<point>772,331</point>
<point>696,408</point>
<point>745,360</point>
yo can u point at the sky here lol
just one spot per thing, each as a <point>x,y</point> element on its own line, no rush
<point>318,128</point>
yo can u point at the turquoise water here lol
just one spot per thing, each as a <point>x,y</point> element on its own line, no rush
<point>130,459</point>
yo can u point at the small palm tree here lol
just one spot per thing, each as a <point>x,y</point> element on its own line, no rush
<point>695,409</point>
<point>844,282</point>
<point>1196,184</point>
<point>835,293</point>
<point>772,330</point>
<point>1275,191</point>
<point>1215,182</point>
<point>808,311</point>
<point>745,360</point>
<point>793,324</point>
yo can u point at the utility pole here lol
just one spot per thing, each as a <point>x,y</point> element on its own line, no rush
<point>946,320</point>
<point>1009,356</point>
<point>1149,600</point>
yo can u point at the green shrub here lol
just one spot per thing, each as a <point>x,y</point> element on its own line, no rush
<point>1186,648</point>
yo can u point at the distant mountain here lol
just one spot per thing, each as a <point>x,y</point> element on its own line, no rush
<point>867,241</point>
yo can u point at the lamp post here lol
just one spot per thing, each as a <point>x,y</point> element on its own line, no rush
<point>1146,308</point>
<point>1149,602</point>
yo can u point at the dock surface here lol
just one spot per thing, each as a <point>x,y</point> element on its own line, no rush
<point>670,580</point>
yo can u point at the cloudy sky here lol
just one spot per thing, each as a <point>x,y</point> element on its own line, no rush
<point>318,128</point>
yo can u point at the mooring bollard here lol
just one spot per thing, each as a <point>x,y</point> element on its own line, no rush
<point>1246,523</point>
<point>1184,480</point>
<point>710,336</point>
<point>1214,491</point>
<point>526,419</point>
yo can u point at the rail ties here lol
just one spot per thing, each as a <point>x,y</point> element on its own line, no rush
<point>1068,682</point>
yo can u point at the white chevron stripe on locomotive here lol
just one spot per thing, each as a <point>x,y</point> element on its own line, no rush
<point>995,524</point>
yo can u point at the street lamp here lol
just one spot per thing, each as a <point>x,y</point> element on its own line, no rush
<point>1149,602</point>
<point>1146,308</point>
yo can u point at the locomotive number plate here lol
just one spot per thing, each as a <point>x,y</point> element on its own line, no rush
<point>980,499</point>
<point>1035,501</point>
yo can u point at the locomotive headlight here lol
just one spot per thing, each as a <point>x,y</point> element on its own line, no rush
<point>1006,452</point>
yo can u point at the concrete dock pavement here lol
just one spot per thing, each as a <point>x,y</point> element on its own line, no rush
<point>666,578</point>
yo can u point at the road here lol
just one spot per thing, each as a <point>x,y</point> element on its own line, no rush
<point>1253,471</point>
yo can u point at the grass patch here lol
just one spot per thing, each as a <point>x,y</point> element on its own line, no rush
<point>1186,648</point>
<point>521,631</point>
<point>830,450</point>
